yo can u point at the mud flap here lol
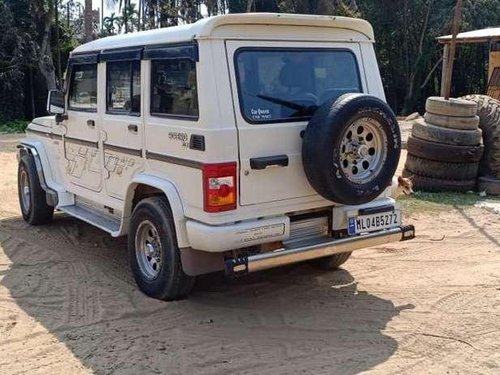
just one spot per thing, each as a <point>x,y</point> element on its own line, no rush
<point>196,262</point>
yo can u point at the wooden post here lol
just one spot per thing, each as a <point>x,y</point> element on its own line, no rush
<point>444,75</point>
<point>453,45</point>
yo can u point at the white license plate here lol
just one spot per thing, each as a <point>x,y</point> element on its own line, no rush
<point>371,223</point>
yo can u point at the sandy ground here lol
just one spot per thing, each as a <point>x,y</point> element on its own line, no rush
<point>69,305</point>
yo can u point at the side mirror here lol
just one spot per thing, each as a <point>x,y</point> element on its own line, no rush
<point>55,102</point>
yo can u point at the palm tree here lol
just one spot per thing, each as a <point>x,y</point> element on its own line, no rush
<point>87,20</point>
<point>129,17</point>
<point>111,24</point>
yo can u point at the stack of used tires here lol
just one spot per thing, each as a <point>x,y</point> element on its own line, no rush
<point>489,123</point>
<point>445,147</point>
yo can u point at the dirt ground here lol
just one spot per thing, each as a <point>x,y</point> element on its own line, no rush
<point>69,305</point>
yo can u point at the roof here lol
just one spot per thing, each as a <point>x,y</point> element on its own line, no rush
<point>476,36</point>
<point>206,27</point>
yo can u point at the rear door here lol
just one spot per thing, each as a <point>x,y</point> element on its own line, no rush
<point>276,87</point>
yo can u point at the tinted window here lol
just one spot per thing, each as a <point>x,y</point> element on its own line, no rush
<point>287,85</point>
<point>124,87</point>
<point>83,88</point>
<point>174,90</point>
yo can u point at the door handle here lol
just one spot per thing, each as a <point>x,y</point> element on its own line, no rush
<point>133,128</point>
<point>91,123</point>
<point>269,161</point>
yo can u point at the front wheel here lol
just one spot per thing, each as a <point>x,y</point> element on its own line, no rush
<point>32,197</point>
<point>153,251</point>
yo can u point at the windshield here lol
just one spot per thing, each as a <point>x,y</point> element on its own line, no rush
<point>277,85</point>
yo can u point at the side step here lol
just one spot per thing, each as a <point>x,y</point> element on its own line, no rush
<point>93,217</point>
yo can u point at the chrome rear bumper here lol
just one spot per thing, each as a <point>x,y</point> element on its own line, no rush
<point>281,257</point>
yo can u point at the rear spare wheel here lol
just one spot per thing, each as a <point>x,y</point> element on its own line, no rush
<point>351,149</point>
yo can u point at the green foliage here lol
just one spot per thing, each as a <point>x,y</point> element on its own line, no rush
<point>436,202</point>
<point>16,52</point>
<point>406,31</point>
<point>14,126</point>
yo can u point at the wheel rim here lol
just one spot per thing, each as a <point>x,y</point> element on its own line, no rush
<point>25,190</point>
<point>363,150</point>
<point>148,250</point>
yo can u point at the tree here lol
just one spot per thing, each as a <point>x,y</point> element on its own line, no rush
<point>88,21</point>
<point>111,24</point>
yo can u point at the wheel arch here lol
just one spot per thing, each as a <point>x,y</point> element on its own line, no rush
<point>146,185</point>
<point>37,151</point>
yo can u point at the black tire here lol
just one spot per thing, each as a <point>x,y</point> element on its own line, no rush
<point>452,107</point>
<point>423,183</point>
<point>441,170</point>
<point>324,135</point>
<point>168,281</point>
<point>437,134</point>
<point>332,262</point>
<point>442,152</point>
<point>490,185</point>
<point>489,122</point>
<point>460,123</point>
<point>34,207</point>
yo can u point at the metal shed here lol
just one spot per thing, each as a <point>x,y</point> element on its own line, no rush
<point>489,35</point>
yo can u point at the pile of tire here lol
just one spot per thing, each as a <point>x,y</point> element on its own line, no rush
<point>489,123</point>
<point>445,147</point>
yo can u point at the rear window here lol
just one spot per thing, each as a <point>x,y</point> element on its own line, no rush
<point>278,85</point>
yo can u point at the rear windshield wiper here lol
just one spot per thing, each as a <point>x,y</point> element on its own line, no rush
<point>301,109</point>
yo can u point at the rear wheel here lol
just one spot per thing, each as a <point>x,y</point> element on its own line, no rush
<point>153,251</point>
<point>32,197</point>
<point>332,262</point>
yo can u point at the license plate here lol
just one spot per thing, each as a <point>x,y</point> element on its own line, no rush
<point>371,223</point>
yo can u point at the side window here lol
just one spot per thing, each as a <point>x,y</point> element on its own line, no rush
<point>174,89</point>
<point>83,88</point>
<point>123,87</point>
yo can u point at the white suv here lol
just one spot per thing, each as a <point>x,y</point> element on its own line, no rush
<point>240,142</point>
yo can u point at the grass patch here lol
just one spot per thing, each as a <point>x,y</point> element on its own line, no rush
<point>14,126</point>
<point>435,202</point>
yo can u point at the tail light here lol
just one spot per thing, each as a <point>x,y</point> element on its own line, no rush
<point>219,187</point>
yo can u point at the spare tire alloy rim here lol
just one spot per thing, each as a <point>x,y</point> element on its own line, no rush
<point>148,250</point>
<point>25,190</point>
<point>363,150</point>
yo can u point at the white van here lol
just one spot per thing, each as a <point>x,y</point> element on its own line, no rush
<point>241,142</point>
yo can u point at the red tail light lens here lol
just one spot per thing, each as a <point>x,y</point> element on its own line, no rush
<point>219,187</point>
